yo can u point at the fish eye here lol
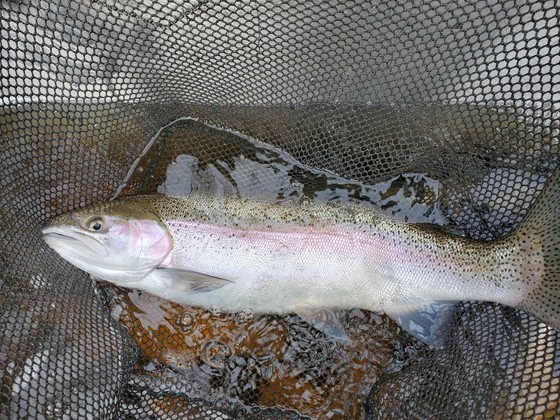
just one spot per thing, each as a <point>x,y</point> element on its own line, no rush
<point>95,224</point>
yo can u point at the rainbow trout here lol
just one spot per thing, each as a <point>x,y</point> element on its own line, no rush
<point>239,254</point>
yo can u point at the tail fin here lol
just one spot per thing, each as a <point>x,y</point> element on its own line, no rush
<point>539,238</point>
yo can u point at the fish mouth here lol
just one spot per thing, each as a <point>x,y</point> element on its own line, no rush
<point>54,235</point>
<point>71,241</point>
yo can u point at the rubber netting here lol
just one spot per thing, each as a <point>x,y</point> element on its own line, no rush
<point>455,102</point>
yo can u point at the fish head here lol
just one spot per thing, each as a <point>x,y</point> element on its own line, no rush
<point>121,242</point>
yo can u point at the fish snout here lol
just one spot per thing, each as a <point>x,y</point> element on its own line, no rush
<point>67,239</point>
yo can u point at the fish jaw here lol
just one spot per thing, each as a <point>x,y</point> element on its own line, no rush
<point>74,247</point>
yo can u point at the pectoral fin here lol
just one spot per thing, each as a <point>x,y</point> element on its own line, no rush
<point>190,281</point>
<point>429,323</point>
<point>324,320</point>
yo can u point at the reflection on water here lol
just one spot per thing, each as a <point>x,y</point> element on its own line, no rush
<point>409,196</point>
<point>248,359</point>
<point>192,156</point>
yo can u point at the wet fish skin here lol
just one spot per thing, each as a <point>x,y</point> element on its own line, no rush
<point>276,258</point>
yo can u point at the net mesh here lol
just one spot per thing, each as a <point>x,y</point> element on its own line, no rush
<point>450,104</point>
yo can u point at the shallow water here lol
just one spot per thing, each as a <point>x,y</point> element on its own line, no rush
<point>251,360</point>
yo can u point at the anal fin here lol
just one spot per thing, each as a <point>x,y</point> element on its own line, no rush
<point>429,323</point>
<point>324,320</point>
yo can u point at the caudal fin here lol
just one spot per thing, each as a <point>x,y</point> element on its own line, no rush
<point>539,239</point>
